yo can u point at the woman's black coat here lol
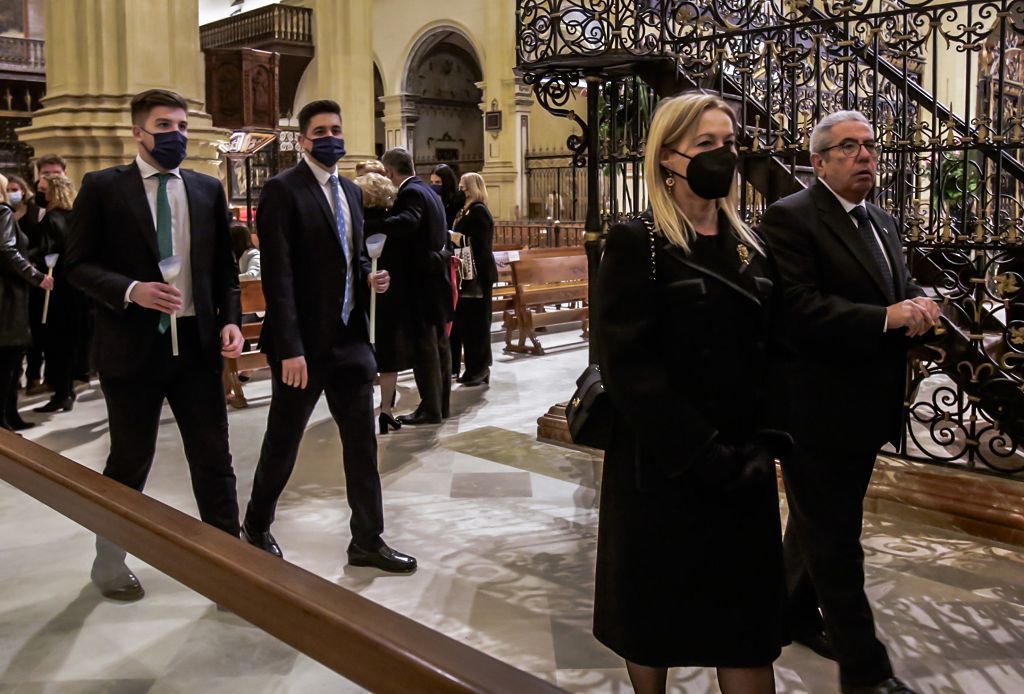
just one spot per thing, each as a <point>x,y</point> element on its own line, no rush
<point>477,225</point>
<point>689,564</point>
<point>16,277</point>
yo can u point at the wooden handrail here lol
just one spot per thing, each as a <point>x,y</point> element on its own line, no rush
<point>364,642</point>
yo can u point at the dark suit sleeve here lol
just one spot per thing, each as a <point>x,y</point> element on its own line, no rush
<point>84,260</point>
<point>633,359</point>
<point>811,316</point>
<point>274,220</point>
<point>406,214</point>
<point>228,296</point>
<point>11,259</point>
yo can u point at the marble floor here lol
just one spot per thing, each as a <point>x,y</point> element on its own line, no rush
<point>504,528</point>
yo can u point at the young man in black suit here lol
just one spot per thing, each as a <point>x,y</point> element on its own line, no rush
<point>125,220</point>
<point>317,281</point>
<point>418,222</point>
<point>850,307</point>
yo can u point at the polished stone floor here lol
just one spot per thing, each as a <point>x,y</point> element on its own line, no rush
<point>504,528</point>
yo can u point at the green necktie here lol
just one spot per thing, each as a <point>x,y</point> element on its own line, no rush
<point>164,239</point>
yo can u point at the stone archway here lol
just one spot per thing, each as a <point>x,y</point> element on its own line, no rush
<point>441,87</point>
<point>379,131</point>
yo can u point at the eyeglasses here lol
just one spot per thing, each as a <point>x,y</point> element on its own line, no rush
<point>851,148</point>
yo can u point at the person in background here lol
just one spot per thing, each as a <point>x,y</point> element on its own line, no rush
<point>446,184</point>
<point>17,275</point>
<point>51,165</point>
<point>391,346</point>
<point>21,197</point>
<point>471,328</point>
<point>64,316</point>
<point>417,224</point>
<point>689,548</point>
<point>246,254</point>
<point>369,166</point>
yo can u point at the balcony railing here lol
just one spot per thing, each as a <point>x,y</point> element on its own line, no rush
<point>271,24</point>
<point>22,55</point>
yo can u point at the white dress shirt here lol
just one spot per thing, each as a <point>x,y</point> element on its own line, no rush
<point>323,177</point>
<point>848,206</point>
<point>181,228</point>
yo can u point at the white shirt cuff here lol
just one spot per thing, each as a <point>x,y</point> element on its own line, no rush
<point>885,325</point>
<point>127,294</point>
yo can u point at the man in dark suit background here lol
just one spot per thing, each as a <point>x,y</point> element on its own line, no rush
<point>849,308</point>
<point>418,222</point>
<point>317,282</point>
<point>125,220</point>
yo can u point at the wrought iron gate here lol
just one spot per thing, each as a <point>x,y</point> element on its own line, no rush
<point>944,85</point>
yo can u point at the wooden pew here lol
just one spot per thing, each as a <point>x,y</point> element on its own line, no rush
<point>541,280</point>
<point>252,302</point>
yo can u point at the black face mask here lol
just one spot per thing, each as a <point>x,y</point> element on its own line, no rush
<point>168,148</point>
<point>711,173</point>
<point>40,198</point>
<point>328,150</point>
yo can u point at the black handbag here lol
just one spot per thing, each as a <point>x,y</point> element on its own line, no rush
<point>589,412</point>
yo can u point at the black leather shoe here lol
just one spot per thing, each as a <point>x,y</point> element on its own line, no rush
<point>55,405</point>
<point>482,379</point>
<point>417,418</point>
<point>124,587</point>
<point>20,425</point>
<point>817,641</point>
<point>384,558</point>
<point>264,540</point>
<point>893,685</point>
<point>385,422</point>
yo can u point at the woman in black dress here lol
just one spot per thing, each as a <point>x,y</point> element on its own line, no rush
<point>17,276</point>
<point>471,328</point>
<point>689,560</point>
<point>64,320</point>
<point>29,216</point>
<point>390,345</point>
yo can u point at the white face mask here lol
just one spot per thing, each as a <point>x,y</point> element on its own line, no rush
<point>15,197</point>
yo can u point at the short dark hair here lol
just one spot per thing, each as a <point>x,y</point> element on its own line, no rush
<point>315,108</point>
<point>144,102</point>
<point>52,159</point>
<point>399,160</point>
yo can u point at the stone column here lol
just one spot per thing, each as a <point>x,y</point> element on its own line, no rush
<point>100,53</point>
<point>400,116</point>
<point>342,69</point>
<point>504,150</point>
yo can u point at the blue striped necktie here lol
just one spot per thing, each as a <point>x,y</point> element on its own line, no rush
<point>339,219</point>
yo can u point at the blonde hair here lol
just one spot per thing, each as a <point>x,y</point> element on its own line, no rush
<point>476,189</point>
<point>675,119</point>
<point>369,166</point>
<point>3,190</point>
<point>61,192</point>
<point>378,190</point>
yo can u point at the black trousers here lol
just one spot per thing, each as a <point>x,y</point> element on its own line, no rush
<point>62,340</point>
<point>196,396</point>
<point>10,373</point>
<point>431,369</point>
<point>824,558</point>
<point>471,333</point>
<point>350,399</point>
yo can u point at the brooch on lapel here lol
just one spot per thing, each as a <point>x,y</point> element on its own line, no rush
<point>744,253</point>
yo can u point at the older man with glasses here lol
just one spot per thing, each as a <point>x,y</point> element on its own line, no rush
<point>849,311</point>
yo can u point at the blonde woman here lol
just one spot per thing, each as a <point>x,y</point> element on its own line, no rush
<point>64,322</point>
<point>471,329</point>
<point>391,346</point>
<point>689,560</point>
<point>17,276</point>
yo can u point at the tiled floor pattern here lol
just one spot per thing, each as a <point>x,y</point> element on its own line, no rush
<point>504,528</point>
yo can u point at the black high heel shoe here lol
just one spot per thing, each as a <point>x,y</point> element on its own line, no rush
<point>55,405</point>
<point>386,421</point>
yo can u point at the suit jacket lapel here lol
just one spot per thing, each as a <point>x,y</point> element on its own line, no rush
<point>355,213</point>
<point>313,185</point>
<point>195,230</point>
<point>689,262</point>
<point>841,225</point>
<point>138,203</point>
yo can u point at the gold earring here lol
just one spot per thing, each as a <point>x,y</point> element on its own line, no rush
<point>670,180</point>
